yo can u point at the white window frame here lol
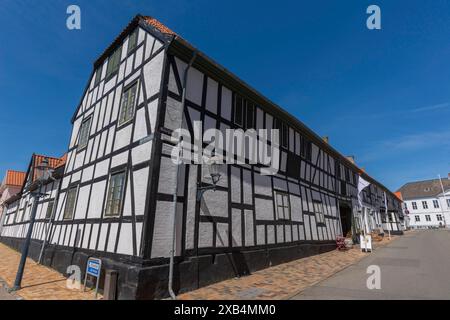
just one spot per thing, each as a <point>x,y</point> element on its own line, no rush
<point>282,205</point>
<point>318,211</point>
<point>121,199</point>
<point>436,204</point>
<point>85,125</point>
<point>69,215</point>
<point>130,110</point>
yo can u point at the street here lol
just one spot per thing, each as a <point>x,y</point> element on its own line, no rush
<point>415,266</point>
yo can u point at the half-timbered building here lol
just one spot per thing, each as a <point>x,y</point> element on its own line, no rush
<point>116,199</point>
<point>18,207</point>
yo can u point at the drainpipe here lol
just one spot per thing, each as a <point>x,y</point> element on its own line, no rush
<point>177,173</point>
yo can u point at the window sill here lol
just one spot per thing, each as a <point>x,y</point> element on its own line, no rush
<point>82,148</point>
<point>124,124</point>
<point>112,75</point>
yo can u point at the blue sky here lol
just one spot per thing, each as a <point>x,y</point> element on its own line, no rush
<point>382,96</point>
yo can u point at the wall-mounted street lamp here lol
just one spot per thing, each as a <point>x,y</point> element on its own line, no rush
<point>42,173</point>
<point>213,166</point>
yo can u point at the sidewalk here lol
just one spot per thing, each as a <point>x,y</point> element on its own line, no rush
<point>39,282</point>
<point>283,281</point>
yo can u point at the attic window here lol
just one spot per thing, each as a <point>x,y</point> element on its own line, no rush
<point>238,111</point>
<point>132,41</point>
<point>114,62</point>
<point>427,189</point>
<point>98,75</point>
<point>84,133</point>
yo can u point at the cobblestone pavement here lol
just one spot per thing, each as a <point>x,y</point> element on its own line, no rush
<point>38,283</point>
<point>282,281</point>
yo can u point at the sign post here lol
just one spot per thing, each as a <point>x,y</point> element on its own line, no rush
<point>93,269</point>
<point>366,243</point>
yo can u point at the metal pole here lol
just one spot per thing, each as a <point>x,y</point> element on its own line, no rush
<point>388,223</point>
<point>50,224</point>
<point>177,172</point>
<point>445,198</point>
<point>27,242</point>
<point>3,208</point>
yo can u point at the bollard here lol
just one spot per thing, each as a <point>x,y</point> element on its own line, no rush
<point>109,292</point>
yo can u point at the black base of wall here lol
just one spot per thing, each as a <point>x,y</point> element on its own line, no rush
<point>396,232</point>
<point>137,281</point>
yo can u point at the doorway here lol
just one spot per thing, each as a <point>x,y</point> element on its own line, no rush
<point>345,211</point>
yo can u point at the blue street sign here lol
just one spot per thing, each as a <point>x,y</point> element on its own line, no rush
<point>93,267</point>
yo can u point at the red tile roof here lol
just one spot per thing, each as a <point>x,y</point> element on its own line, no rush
<point>52,162</point>
<point>158,25</point>
<point>14,178</point>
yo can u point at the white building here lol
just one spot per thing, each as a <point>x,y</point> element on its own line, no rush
<point>115,199</point>
<point>427,206</point>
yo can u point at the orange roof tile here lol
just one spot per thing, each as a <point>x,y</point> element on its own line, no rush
<point>14,178</point>
<point>158,25</point>
<point>52,162</point>
<point>398,194</point>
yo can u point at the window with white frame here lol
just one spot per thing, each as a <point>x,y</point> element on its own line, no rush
<point>70,203</point>
<point>113,63</point>
<point>448,203</point>
<point>427,217</point>
<point>436,204</point>
<point>283,206</point>
<point>439,217</point>
<point>127,104</point>
<point>414,205</point>
<point>132,40</point>
<point>84,133</point>
<point>98,75</point>
<point>48,213</point>
<point>417,218</point>
<point>318,210</point>
<point>114,200</point>
<point>425,204</point>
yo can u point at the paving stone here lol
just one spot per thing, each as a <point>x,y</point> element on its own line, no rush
<point>39,282</point>
<point>282,281</point>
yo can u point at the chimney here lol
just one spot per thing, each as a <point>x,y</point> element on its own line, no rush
<point>327,140</point>
<point>448,176</point>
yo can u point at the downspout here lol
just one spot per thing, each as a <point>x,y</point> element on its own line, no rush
<point>177,173</point>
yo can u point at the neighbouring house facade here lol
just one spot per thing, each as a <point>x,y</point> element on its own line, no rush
<point>116,194</point>
<point>11,185</point>
<point>18,207</point>
<point>427,205</point>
